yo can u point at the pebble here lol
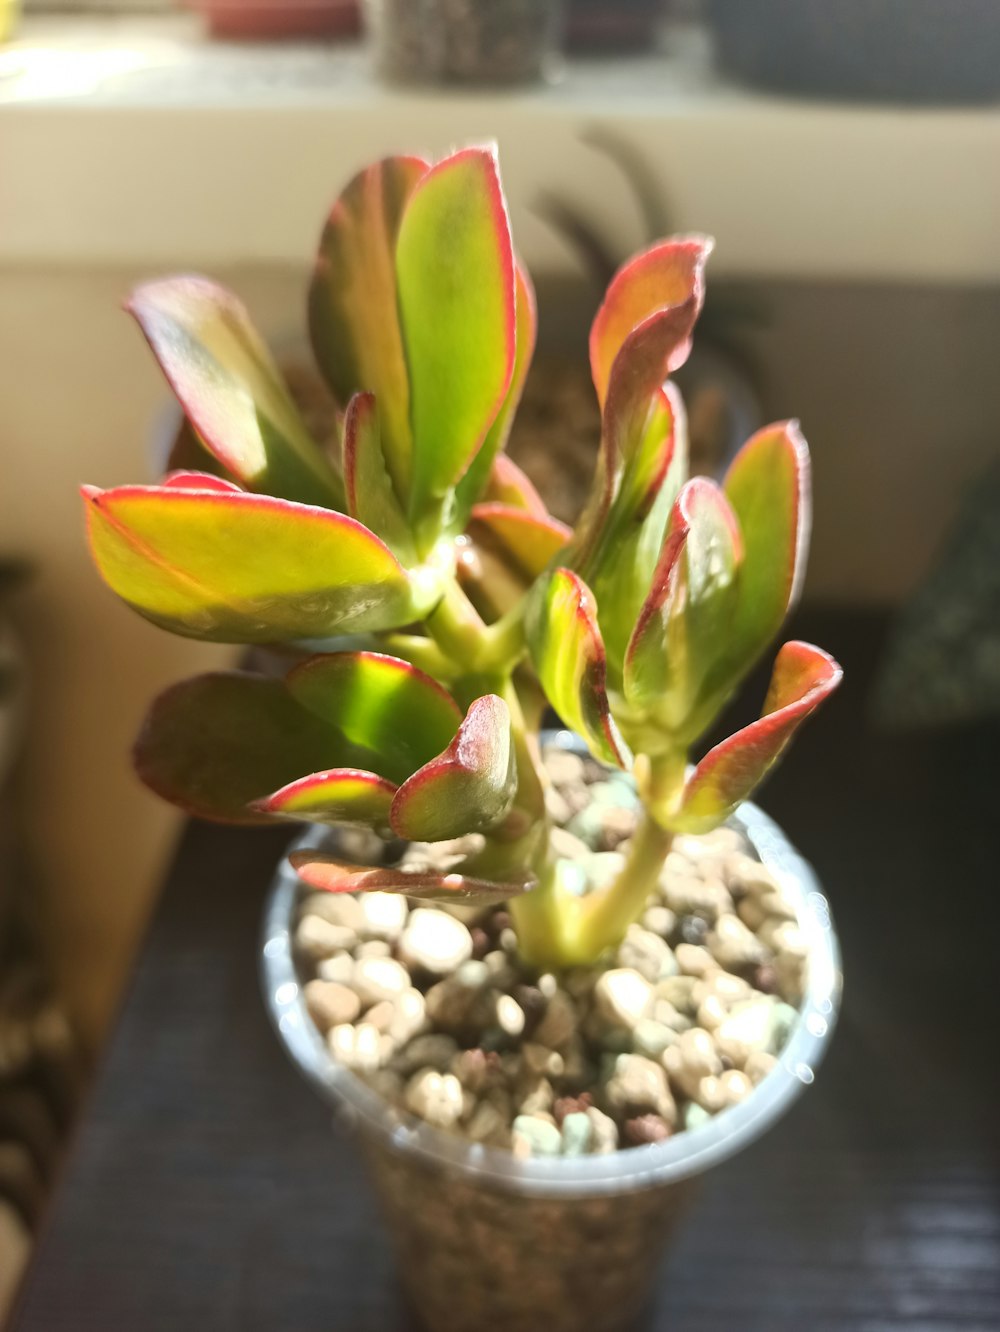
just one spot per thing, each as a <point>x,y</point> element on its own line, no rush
<point>409,1015</point>
<point>605,1132</point>
<point>576,1133</point>
<point>339,968</point>
<point>638,1084</point>
<point>643,1129</point>
<point>509,1015</point>
<point>748,875</point>
<point>316,938</point>
<point>434,941</point>
<point>698,1055</point>
<point>784,937</point>
<point>538,1059</point>
<point>359,1047</point>
<point>647,953</point>
<point>678,991</point>
<point>564,768</point>
<point>373,948</point>
<point>734,946</point>
<point>689,896</point>
<point>651,1038</point>
<point>695,1116</point>
<point>436,1097</point>
<point>533,1136</point>
<point>736,1086</point>
<point>331,1004</point>
<point>758,1064</point>
<point>377,978</point>
<point>381,1015</point>
<point>336,908</point>
<point>536,1095</point>
<point>660,920</point>
<point>565,844</point>
<point>489,1124</point>
<point>433,1050</point>
<point>383,915</point>
<point>558,1023</point>
<point>694,960</point>
<point>693,930</point>
<point>748,1027</point>
<point>622,997</point>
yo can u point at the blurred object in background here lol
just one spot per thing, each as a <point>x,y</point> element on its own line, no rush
<point>558,426</point>
<point>268,20</point>
<point>882,50</point>
<point>40,1071</point>
<point>9,14</point>
<point>465,41</point>
<point>605,27</point>
<point>942,661</point>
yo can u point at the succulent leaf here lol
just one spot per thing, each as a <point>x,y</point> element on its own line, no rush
<point>240,568</point>
<point>467,788</point>
<point>507,484</point>
<point>394,717</point>
<point>526,541</point>
<point>183,480</point>
<point>371,498</point>
<point>338,796</point>
<point>333,876</point>
<point>728,774</point>
<point>353,314</point>
<point>231,390</point>
<point>456,288</point>
<point>471,486</point>
<point>568,653</point>
<point>216,743</point>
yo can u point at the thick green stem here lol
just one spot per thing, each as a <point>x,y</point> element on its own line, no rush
<point>606,916</point>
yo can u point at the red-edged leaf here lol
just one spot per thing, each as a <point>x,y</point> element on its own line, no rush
<point>182,480</point>
<point>240,568</point>
<point>507,484</point>
<point>394,716</point>
<point>370,495</point>
<point>455,275</point>
<point>526,541</point>
<point>231,390</point>
<point>768,486</point>
<point>662,278</point>
<point>189,454</point>
<point>339,796</point>
<point>683,627</point>
<point>728,774</point>
<point>333,876</point>
<point>353,316</point>
<point>568,653</point>
<point>216,743</point>
<point>469,787</point>
<point>471,486</point>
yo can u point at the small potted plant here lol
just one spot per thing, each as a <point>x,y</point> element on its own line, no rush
<point>551,977</point>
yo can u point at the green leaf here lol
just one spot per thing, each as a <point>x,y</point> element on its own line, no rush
<point>393,716</point>
<point>468,788</point>
<point>507,484</point>
<point>768,486</point>
<point>353,315</point>
<point>455,273</point>
<point>231,390</point>
<point>370,495</point>
<point>334,876</point>
<point>239,568</point>
<point>338,796</point>
<point>526,542</point>
<point>471,486</point>
<point>215,744</point>
<point>728,774</point>
<point>683,627</point>
<point>568,653</point>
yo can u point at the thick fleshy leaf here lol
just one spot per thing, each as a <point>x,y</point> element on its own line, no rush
<point>353,315</point>
<point>182,480</point>
<point>455,275</point>
<point>394,717</point>
<point>370,494</point>
<point>526,542</point>
<point>216,743</point>
<point>768,487</point>
<point>334,876</point>
<point>231,390</point>
<point>568,653</point>
<point>338,796</point>
<point>684,624</point>
<point>507,484</point>
<point>663,277</point>
<point>240,568</point>
<point>468,788</point>
<point>471,486</point>
<point>728,774</point>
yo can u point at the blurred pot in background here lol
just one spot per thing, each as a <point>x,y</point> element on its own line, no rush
<point>266,20</point>
<point>492,42</point>
<point>890,50</point>
<point>605,26</point>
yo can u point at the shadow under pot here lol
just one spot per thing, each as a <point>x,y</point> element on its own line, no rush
<point>487,1238</point>
<point>482,42</point>
<point>919,51</point>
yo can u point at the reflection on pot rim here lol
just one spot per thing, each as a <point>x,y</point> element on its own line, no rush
<point>684,1154</point>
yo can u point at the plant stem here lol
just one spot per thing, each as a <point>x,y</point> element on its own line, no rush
<point>604,917</point>
<point>474,646</point>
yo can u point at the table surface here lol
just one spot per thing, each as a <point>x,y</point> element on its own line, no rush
<point>207,1190</point>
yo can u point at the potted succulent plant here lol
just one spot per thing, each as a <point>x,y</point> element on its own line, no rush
<point>551,978</point>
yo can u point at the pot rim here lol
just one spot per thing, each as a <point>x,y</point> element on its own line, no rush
<point>626,1170</point>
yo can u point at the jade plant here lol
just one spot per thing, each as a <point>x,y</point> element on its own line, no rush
<point>430,605</point>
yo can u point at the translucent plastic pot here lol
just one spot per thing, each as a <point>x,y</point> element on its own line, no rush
<point>483,42</point>
<point>487,1241</point>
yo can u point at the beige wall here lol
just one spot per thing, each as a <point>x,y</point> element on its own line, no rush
<point>897,391</point>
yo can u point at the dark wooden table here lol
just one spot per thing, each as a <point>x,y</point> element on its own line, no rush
<point>207,1191</point>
